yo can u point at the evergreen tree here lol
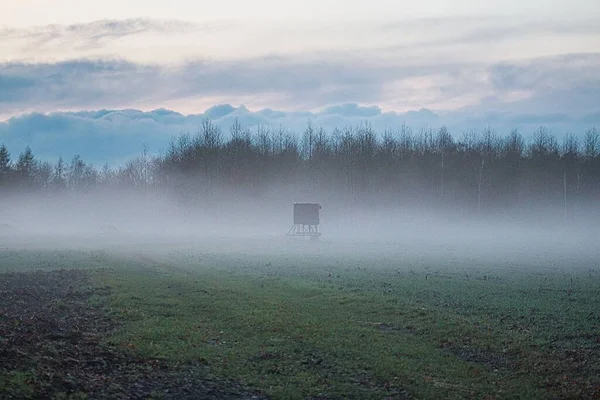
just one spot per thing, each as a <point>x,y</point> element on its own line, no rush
<point>4,164</point>
<point>25,168</point>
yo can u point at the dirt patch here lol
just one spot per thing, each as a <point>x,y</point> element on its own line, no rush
<point>53,331</point>
<point>399,329</point>
<point>570,370</point>
<point>487,358</point>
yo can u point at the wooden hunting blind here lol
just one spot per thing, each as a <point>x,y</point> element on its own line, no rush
<point>306,220</point>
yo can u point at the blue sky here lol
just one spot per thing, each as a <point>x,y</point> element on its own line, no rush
<point>534,58</point>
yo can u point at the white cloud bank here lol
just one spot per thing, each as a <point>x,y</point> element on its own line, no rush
<point>113,136</point>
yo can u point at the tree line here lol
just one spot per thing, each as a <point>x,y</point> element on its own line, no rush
<point>474,171</point>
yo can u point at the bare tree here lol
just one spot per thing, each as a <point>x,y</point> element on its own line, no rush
<point>44,172</point>
<point>592,143</point>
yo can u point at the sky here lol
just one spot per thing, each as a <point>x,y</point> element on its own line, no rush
<point>452,57</point>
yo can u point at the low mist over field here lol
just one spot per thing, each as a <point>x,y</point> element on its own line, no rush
<point>396,186</point>
<point>109,219</point>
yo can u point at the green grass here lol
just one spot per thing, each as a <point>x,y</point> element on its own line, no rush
<point>16,384</point>
<point>309,323</point>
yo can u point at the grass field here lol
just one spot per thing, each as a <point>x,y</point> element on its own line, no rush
<point>306,320</point>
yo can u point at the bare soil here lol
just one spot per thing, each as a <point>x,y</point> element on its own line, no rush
<point>55,331</point>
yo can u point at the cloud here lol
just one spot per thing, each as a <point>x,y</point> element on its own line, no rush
<point>160,41</point>
<point>114,136</point>
<point>47,86</point>
<point>441,64</point>
<point>546,73</point>
<point>85,83</point>
<point>567,84</point>
<point>98,33</point>
<point>352,110</point>
<point>485,37</point>
<point>564,84</point>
